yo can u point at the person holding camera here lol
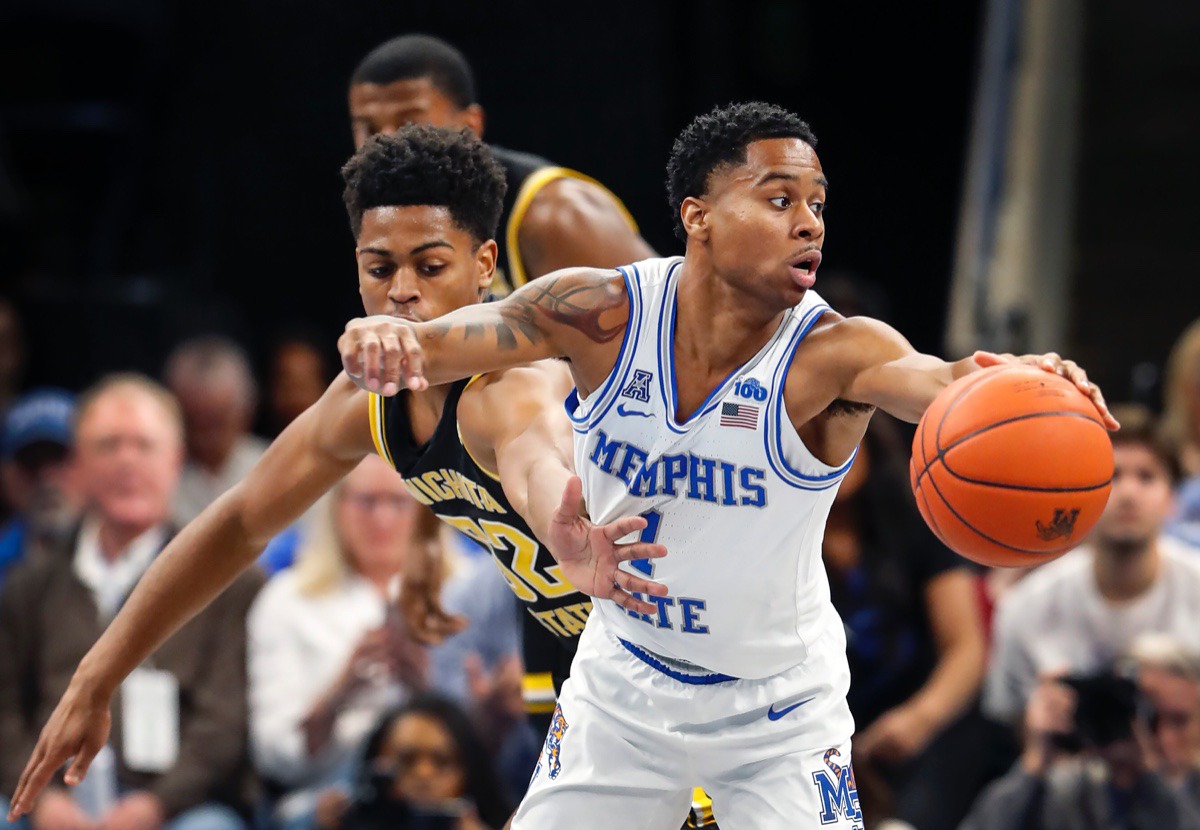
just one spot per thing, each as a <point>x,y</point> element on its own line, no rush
<point>1103,751</point>
<point>1084,611</point>
<point>424,768</point>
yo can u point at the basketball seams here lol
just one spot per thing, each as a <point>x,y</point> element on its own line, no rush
<point>982,376</point>
<point>942,452</point>
<point>1033,551</point>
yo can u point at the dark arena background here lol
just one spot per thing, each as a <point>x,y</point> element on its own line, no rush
<point>1008,175</point>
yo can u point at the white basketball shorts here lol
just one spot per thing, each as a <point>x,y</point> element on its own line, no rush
<point>635,732</point>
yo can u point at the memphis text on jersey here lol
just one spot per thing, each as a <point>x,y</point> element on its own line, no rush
<point>692,476</point>
<point>515,553</point>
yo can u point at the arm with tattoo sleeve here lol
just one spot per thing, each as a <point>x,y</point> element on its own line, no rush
<point>565,314</point>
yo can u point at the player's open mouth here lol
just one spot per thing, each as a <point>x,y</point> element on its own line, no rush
<point>804,268</point>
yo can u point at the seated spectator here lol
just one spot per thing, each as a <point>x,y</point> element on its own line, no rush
<point>212,379</point>
<point>298,371</point>
<point>1078,614</point>
<point>35,463</point>
<point>914,640</point>
<point>1106,752</point>
<point>422,763</point>
<point>329,653</point>
<point>177,749</point>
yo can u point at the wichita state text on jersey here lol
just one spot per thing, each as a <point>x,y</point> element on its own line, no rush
<point>444,476</point>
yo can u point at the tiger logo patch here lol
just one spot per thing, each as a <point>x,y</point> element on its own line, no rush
<point>553,747</point>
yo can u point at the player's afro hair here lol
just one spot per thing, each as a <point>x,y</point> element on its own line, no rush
<point>719,138</point>
<point>421,165</point>
<point>419,56</point>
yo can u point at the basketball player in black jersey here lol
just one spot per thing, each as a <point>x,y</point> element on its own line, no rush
<point>424,205</point>
<point>553,217</point>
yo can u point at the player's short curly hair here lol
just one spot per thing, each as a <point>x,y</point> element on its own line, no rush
<point>719,138</point>
<point>422,165</point>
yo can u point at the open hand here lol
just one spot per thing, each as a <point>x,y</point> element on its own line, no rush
<point>1051,362</point>
<point>589,554</point>
<point>78,729</point>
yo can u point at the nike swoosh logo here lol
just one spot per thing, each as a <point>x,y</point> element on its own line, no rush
<point>625,413</point>
<point>776,714</point>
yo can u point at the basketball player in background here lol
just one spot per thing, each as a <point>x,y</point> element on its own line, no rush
<point>424,204</point>
<point>718,397</point>
<point>553,217</point>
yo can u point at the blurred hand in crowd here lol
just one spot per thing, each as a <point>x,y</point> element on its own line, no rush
<point>1050,712</point>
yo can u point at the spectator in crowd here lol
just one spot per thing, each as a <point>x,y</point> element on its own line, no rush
<point>212,379</point>
<point>1105,752</point>
<point>328,650</point>
<point>1078,614</point>
<point>298,372</point>
<point>423,761</point>
<point>12,353</point>
<point>1169,677</point>
<point>915,644</point>
<point>1181,420</point>
<point>35,465</point>
<point>1182,427</point>
<point>177,752</point>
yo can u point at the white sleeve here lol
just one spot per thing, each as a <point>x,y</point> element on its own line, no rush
<point>280,691</point>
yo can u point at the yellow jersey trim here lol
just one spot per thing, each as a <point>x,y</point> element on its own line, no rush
<point>529,189</point>
<point>378,434</point>
<point>702,813</point>
<point>538,690</point>
<point>494,476</point>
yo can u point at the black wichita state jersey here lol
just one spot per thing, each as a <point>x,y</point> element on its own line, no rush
<point>444,476</point>
<point>526,175</point>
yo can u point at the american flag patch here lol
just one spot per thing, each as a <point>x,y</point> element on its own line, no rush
<point>739,415</point>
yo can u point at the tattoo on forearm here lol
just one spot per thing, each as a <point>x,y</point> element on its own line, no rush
<point>570,300</point>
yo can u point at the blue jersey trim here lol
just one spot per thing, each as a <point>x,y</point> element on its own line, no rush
<point>666,367</point>
<point>691,679</point>
<point>616,378</point>
<point>773,438</point>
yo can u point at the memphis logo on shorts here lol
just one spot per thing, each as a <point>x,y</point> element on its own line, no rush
<point>838,792</point>
<point>558,728</point>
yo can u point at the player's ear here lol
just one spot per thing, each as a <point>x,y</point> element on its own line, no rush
<point>694,214</point>
<point>485,262</point>
<point>473,118</point>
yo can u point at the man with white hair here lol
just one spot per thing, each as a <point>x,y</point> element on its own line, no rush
<point>212,378</point>
<point>177,757</point>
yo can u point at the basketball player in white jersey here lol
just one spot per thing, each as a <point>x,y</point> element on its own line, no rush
<point>718,397</point>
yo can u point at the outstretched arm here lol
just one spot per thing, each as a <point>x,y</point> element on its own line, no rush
<point>519,416</point>
<point>565,314</point>
<point>884,370</point>
<point>311,455</point>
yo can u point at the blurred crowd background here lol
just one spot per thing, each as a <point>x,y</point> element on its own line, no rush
<point>175,266</point>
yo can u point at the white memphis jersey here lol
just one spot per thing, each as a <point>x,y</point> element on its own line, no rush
<point>734,495</point>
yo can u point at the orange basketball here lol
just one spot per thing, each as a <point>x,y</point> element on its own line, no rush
<point>1011,466</point>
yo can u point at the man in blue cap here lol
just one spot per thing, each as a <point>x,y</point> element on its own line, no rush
<point>35,462</point>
